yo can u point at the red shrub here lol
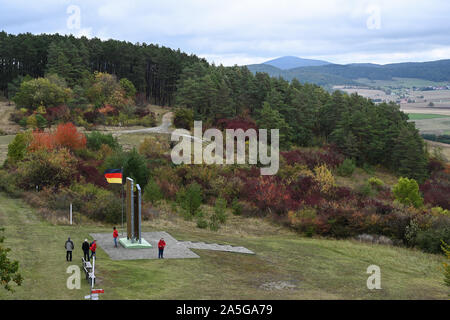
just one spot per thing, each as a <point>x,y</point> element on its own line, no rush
<point>268,194</point>
<point>436,193</point>
<point>108,110</point>
<point>58,113</point>
<point>91,174</point>
<point>236,123</point>
<point>41,140</point>
<point>313,199</point>
<point>304,186</point>
<point>169,190</point>
<point>90,116</point>
<point>447,169</point>
<point>313,158</point>
<point>66,135</point>
<point>245,174</point>
<point>435,166</point>
<point>142,112</point>
<point>342,193</point>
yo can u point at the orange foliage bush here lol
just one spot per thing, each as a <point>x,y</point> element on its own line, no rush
<point>65,136</point>
<point>41,140</point>
<point>108,110</point>
<point>447,168</point>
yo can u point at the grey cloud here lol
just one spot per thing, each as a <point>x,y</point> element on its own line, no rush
<point>331,30</point>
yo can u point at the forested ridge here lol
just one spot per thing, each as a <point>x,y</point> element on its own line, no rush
<point>154,70</point>
<point>306,114</point>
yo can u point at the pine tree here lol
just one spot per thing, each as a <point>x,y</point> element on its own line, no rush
<point>409,156</point>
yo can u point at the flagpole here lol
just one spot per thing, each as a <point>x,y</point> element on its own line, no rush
<point>122,201</point>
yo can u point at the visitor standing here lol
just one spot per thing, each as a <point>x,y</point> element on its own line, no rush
<point>85,247</point>
<point>115,236</point>
<point>161,246</point>
<point>69,248</point>
<point>93,248</point>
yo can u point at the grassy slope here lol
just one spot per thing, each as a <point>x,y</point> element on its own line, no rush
<point>442,148</point>
<point>4,142</point>
<point>320,269</point>
<point>360,177</point>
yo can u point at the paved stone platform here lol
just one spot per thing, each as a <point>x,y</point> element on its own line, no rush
<point>215,246</point>
<point>174,249</point>
<point>128,244</point>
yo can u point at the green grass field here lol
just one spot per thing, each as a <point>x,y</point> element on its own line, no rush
<point>423,116</point>
<point>318,268</point>
<point>436,126</point>
<point>400,83</point>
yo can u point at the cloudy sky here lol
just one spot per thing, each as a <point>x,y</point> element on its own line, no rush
<point>251,31</point>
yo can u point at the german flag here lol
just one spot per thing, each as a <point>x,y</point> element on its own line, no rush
<point>113,175</point>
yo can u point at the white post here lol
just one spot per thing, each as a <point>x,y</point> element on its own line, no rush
<point>70,214</point>
<point>93,272</point>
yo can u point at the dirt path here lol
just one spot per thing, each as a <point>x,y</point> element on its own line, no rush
<point>163,128</point>
<point>6,125</point>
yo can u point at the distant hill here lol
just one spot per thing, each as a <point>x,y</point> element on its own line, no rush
<point>290,62</point>
<point>271,70</point>
<point>301,74</point>
<point>333,74</point>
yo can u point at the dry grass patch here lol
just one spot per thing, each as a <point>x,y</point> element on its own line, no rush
<point>360,177</point>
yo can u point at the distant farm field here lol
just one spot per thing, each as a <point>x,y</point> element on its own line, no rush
<point>421,116</point>
<point>400,82</point>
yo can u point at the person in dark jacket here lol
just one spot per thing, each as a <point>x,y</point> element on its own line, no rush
<point>69,248</point>
<point>85,248</point>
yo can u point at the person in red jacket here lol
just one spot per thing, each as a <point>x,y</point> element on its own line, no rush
<point>115,236</point>
<point>93,248</point>
<point>161,246</point>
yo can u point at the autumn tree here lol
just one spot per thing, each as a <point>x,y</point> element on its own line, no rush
<point>17,149</point>
<point>106,90</point>
<point>406,191</point>
<point>40,92</point>
<point>9,270</point>
<point>54,168</point>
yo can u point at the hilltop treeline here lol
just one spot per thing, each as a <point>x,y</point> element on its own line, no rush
<point>306,114</point>
<point>154,70</point>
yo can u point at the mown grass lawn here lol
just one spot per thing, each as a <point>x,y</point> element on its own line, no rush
<point>318,268</point>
